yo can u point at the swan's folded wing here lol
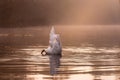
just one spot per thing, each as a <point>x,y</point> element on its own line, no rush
<point>52,31</point>
<point>52,36</point>
<point>56,46</point>
<point>54,42</point>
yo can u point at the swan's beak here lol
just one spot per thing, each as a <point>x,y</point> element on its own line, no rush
<point>43,52</point>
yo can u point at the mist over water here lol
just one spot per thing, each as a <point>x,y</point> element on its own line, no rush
<point>96,35</point>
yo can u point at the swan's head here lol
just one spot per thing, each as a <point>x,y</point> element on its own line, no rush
<point>43,52</point>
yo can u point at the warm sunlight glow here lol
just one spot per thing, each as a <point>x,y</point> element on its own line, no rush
<point>81,77</point>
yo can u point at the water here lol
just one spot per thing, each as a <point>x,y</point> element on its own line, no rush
<point>85,56</point>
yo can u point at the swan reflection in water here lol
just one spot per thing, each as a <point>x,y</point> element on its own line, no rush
<point>54,63</point>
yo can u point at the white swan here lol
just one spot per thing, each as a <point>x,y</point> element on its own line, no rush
<point>54,44</point>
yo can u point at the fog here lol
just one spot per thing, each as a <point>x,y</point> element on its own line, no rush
<point>15,13</point>
<point>107,35</point>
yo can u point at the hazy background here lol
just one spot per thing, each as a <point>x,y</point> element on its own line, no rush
<point>77,21</point>
<point>17,13</point>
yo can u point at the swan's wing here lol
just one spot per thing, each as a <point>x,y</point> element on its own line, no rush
<point>56,46</point>
<point>58,40</point>
<point>52,31</point>
<point>52,36</point>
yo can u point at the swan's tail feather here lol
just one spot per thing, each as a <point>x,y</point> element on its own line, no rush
<point>52,30</point>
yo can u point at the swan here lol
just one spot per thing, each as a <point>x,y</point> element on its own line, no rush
<point>54,44</point>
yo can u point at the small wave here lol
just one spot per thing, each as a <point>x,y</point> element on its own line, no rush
<point>76,49</point>
<point>92,50</point>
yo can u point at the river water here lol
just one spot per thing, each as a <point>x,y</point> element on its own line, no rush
<point>89,53</point>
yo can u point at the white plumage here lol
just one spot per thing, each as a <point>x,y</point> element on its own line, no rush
<point>54,44</point>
